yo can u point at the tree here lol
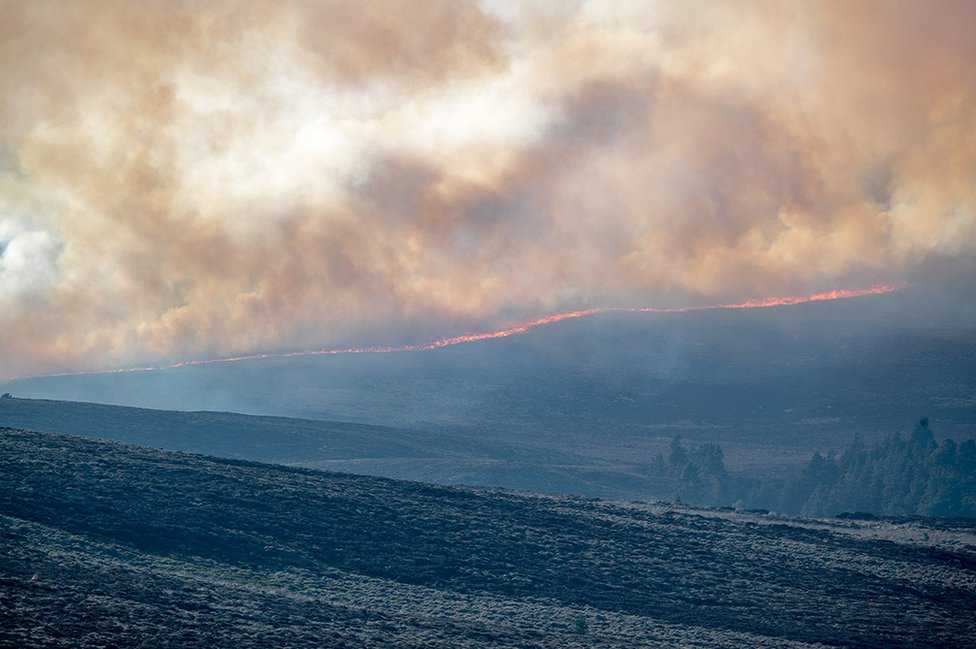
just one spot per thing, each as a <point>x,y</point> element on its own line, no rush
<point>678,457</point>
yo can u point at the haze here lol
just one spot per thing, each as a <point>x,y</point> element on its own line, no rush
<point>488,323</point>
<point>182,180</point>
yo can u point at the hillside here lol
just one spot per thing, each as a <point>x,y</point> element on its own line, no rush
<point>425,456</point>
<point>771,386</point>
<point>110,544</point>
<point>281,440</point>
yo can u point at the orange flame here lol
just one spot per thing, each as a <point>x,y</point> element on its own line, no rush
<point>512,330</point>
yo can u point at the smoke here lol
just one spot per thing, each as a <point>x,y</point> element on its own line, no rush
<point>180,179</point>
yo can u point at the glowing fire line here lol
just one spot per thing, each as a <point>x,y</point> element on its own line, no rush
<point>513,330</point>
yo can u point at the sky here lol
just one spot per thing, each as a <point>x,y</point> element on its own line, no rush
<point>189,180</point>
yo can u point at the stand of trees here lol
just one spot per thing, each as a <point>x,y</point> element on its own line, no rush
<point>698,475</point>
<point>898,477</point>
<point>901,476</point>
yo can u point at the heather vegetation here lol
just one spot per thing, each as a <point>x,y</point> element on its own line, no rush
<point>106,544</point>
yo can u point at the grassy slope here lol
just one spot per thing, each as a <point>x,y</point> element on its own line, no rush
<point>104,542</point>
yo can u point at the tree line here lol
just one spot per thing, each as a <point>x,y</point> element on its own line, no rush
<point>899,476</point>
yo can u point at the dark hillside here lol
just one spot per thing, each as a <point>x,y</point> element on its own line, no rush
<point>105,543</point>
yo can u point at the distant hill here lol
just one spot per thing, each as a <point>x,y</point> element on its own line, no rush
<point>785,381</point>
<point>106,544</point>
<point>441,457</point>
<point>269,439</point>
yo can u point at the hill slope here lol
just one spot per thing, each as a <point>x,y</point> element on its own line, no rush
<point>425,456</point>
<point>109,543</point>
<point>280,440</point>
<point>770,385</point>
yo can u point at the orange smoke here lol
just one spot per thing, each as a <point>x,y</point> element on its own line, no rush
<point>512,330</point>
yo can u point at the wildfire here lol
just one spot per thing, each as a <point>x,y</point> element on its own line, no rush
<point>512,330</point>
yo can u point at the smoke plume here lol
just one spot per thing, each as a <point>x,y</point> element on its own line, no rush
<point>180,179</point>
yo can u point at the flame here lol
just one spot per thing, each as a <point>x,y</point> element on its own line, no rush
<point>512,330</point>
